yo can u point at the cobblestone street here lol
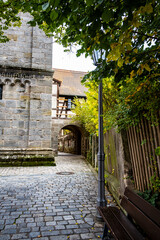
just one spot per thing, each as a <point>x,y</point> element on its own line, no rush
<point>45,203</point>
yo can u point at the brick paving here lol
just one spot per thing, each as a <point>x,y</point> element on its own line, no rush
<point>39,203</point>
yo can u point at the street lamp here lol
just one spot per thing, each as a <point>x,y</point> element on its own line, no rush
<point>98,56</point>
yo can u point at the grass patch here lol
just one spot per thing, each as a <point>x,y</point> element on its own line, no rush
<point>27,161</point>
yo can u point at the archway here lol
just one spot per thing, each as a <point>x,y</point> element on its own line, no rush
<point>70,140</point>
<point>81,135</point>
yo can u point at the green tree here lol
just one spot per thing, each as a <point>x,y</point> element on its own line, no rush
<point>86,111</point>
<point>123,105</point>
<point>128,30</point>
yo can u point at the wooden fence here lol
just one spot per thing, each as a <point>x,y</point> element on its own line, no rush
<point>143,140</point>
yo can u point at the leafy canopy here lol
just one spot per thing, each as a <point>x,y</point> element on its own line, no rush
<point>129,31</point>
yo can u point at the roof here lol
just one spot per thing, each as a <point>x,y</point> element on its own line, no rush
<point>71,82</point>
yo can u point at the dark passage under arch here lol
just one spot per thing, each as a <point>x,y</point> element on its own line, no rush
<point>69,140</point>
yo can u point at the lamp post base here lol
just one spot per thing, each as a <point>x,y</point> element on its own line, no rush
<point>100,203</point>
<point>99,217</point>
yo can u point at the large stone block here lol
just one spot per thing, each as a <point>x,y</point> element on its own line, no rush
<point>48,90</point>
<point>44,82</point>
<point>10,131</point>
<point>46,97</point>
<point>22,132</point>
<point>1,143</point>
<point>35,105</point>
<point>35,144</point>
<point>21,112</point>
<point>47,105</point>
<point>33,124</point>
<point>46,144</point>
<point>11,104</point>
<point>37,89</point>
<point>5,124</point>
<point>36,96</point>
<point>2,116</point>
<point>11,143</point>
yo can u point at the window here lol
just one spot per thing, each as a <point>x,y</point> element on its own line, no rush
<point>69,103</point>
<point>1,90</point>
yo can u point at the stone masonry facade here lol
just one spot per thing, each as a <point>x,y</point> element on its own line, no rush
<point>26,82</point>
<point>28,47</point>
<point>58,124</point>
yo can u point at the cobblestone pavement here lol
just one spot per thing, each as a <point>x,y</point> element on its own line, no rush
<point>42,203</point>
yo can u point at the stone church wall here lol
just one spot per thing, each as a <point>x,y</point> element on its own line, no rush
<point>26,78</point>
<point>25,110</point>
<point>28,47</point>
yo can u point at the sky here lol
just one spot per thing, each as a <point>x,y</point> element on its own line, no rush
<point>69,61</point>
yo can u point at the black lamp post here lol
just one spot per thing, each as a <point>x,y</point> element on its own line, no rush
<point>98,56</point>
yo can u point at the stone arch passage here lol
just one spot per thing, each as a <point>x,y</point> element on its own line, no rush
<point>80,135</point>
<point>70,140</point>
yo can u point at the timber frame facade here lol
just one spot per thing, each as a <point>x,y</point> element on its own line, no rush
<point>66,86</point>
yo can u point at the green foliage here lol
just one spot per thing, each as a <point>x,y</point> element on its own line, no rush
<point>137,100</point>
<point>155,182</point>
<point>151,197</point>
<point>129,33</point>
<point>157,151</point>
<point>143,142</point>
<point>86,111</point>
<point>127,30</point>
<point>123,105</point>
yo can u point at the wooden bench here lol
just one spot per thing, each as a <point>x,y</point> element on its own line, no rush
<point>142,220</point>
